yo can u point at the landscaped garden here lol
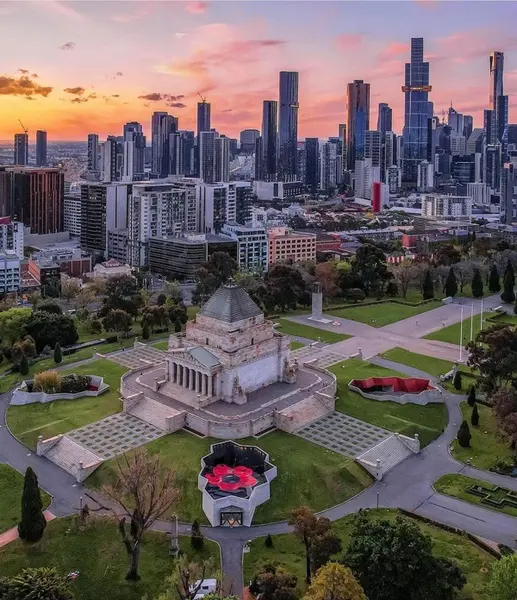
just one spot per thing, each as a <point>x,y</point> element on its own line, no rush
<point>451,334</point>
<point>96,552</point>
<point>380,315</point>
<point>11,487</point>
<point>287,551</point>
<point>307,474</point>
<point>428,421</point>
<point>28,422</point>
<point>311,333</point>
<point>478,492</point>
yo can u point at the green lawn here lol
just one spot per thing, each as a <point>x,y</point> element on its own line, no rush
<point>457,485</point>
<point>307,474</point>
<point>452,333</point>
<point>311,333</point>
<point>288,552</point>
<point>163,345</point>
<point>295,345</point>
<point>486,446</point>
<point>11,488</point>
<point>32,420</point>
<point>408,419</point>
<point>385,313</point>
<point>98,554</point>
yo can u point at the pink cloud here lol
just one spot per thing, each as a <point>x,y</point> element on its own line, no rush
<point>394,49</point>
<point>196,8</point>
<point>347,41</point>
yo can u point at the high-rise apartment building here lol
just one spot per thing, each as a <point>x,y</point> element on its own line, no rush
<point>93,154</point>
<point>417,112</point>
<point>248,139</point>
<point>269,139</point>
<point>41,148</point>
<point>372,147</point>
<point>162,126</point>
<point>468,125</point>
<point>222,159</point>
<point>498,101</point>
<point>312,162</point>
<point>203,117</point>
<point>358,120</point>
<point>508,192</point>
<point>11,236</point>
<point>72,214</point>
<point>207,156</point>
<point>384,118</point>
<point>455,121</point>
<point>328,166</point>
<point>21,149</point>
<point>288,125</point>
<point>134,152</point>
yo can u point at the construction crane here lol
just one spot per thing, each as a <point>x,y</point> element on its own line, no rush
<point>25,130</point>
<point>203,100</point>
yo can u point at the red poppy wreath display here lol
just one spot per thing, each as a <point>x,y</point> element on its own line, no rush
<point>229,479</point>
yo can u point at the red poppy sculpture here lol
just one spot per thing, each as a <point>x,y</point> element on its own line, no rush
<point>229,479</point>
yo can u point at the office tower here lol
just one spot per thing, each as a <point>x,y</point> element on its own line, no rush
<point>508,183</point>
<point>187,149</point>
<point>203,117</point>
<point>343,158</point>
<point>207,156</point>
<point>109,160</point>
<point>134,152</point>
<point>394,179</point>
<point>248,139</point>
<point>384,119</point>
<point>162,125</point>
<point>455,120</point>
<point>425,176</point>
<point>512,134</point>
<point>498,101</point>
<point>468,126</point>
<point>288,125</point>
<point>259,159</point>
<point>489,126</point>
<point>41,148</point>
<point>358,120</point>
<point>243,202</point>
<point>222,159</point>
<point>327,171</point>
<point>312,162</point>
<point>301,159</point>
<point>416,112</point>
<point>93,153</point>
<point>21,149</point>
<point>458,145</point>
<point>365,175</point>
<point>176,160</point>
<point>372,147</point>
<point>492,166</point>
<point>269,139</point>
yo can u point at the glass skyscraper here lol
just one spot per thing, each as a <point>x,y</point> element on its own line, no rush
<point>384,119</point>
<point>288,126</point>
<point>498,101</point>
<point>417,112</point>
<point>358,120</point>
<point>269,136</point>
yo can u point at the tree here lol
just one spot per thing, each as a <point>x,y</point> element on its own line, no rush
<point>52,287</point>
<point>13,324</point>
<point>447,255</point>
<point>42,583</point>
<point>370,265</point>
<point>274,583</point>
<point>284,284</point>
<point>315,533</point>
<point>122,293</point>
<point>405,274</point>
<point>394,560</point>
<point>477,284</point>
<point>187,578</point>
<point>50,306</point>
<point>85,297</point>
<point>197,540</point>
<point>392,289</point>
<point>471,398</point>
<point>457,380</point>
<point>464,436</point>
<point>162,298</point>
<point>143,491</point>
<point>178,326</point>
<point>464,272</point>
<point>268,542</point>
<point>146,334</point>
<point>32,524</point>
<point>24,365</point>
<point>327,274</point>
<point>335,582</point>
<point>494,283</point>
<point>503,580</point>
<point>427,286</point>
<point>117,320</point>
<point>58,354</point>
<point>508,294</point>
<point>354,295</point>
<point>173,291</point>
<point>451,285</point>
<point>474,418</point>
<point>70,289</point>
<point>46,329</point>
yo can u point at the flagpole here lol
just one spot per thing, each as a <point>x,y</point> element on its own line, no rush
<point>472,320</point>
<point>481,319</point>
<point>461,333</point>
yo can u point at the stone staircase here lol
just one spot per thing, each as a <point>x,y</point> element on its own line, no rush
<point>301,414</point>
<point>157,414</point>
<point>388,454</point>
<point>140,356</point>
<point>73,458</point>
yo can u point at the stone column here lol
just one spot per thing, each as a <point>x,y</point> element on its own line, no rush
<point>174,372</point>
<point>193,378</point>
<point>210,385</point>
<point>179,379</point>
<point>189,377</point>
<point>317,302</point>
<point>199,382</point>
<point>204,385</point>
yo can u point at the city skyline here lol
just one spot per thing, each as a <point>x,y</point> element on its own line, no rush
<point>232,53</point>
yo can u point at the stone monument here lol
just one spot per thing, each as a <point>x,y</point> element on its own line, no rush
<point>317,305</point>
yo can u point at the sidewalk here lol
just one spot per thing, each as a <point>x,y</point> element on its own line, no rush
<point>12,534</point>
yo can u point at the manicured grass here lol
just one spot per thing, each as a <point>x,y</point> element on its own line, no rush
<point>295,345</point>
<point>311,333</point>
<point>50,419</point>
<point>487,446</point>
<point>307,474</point>
<point>456,486</point>
<point>11,488</point>
<point>96,551</point>
<point>287,551</point>
<point>385,313</point>
<point>428,421</point>
<point>163,345</point>
<point>452,333</point>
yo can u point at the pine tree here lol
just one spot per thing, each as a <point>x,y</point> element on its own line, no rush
<point>451,285</point>
<point>269,541</point>
<point>464,435</point>
<point>494,283</point>
<point>197,540</point>
<point>471,398</point>
<point>474,419</point>
<point>428,287</point>
<point>508,294</point>
<point>457,380</point>
<point>146,334</point>
<point>32,524</point>
<point>178,325</point>
<point>477,284</point>
<point>58,354</point>
<point>24,365</point>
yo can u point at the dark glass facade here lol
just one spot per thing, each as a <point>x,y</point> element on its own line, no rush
<point>203,117</point>
<point>384,119</point>
<point>288,125</point>
<point>41,148</point>
<point>358,120</point>
<point>269,139</point>
<point>312,162</point>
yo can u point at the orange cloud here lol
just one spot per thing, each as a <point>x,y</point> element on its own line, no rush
<point>76,91</point>
<point>22,86</point>
<point>196,8</point>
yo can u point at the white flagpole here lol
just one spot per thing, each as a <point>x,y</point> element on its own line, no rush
<point>461,333</point>
<point>472,320</point>
<point>481,319</point>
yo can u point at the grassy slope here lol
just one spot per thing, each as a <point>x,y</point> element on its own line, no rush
<point>311,333</point>
<point>380,315</point>
<point>452,333</point>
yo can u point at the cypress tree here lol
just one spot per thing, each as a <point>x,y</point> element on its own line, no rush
<point>508,294</point>
<point>32,524</point>
<point>58,354</point>
<point>457,380</point>
<point>427,287</point>
<point>471,398</point>
<point>464,435</point>
<point>474,419</point>
<point>451,285</point>
<point>178,325</point>
<point>196,538</point>
<point>145,330</point>
<point>494,283</point>
<point>24,365</point>
<point>269,541</point>
<point>477,284</point>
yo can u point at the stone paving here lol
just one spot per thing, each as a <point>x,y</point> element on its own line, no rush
<point>343,434</point>
<point>114,435</point>
<point>137,357</point>
<point>322,355</point>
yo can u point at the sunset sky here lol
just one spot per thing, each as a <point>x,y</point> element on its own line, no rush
<point>89,66</point>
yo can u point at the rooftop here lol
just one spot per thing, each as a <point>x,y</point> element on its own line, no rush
<point>230,303</point>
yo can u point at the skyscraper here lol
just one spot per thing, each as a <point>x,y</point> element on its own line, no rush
<point>288,125</point>
<point>312,160</point>
<point>222,159</point>
<point>269,139</point>
<point>134,151</point>
<point>508,182</point>
<point>468,125</point>
<point>93,153</point>
<point>41,148</point>
<point>384,119</point>
<point>21,149</point>
<point>498,101</point>
<point>203,117</point>
<point>207,156</point>
<point>417,112</point>
<point>455,120</point>
<point>372,147</point>
<point>162,125</point>
<point>358,120</point>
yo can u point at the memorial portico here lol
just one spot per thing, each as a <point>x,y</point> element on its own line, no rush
<point>196,370</point>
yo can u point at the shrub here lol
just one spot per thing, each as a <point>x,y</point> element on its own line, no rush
<point>24,365</point>
<point>7,352</point>
<point>196,539</point>
<point>48,382</point>
<point>474,419</point>
<point>73,384</point>
<point>146,334</point>
<point>177,325</point>
<point>95,326</point>
<point>392,289</point>
<point>51,307</point>
<point>269,541</point>
<point>32,524</point>
<point>471,398</point>
<point>29,347</point>
<point>457,380</point>
<point>354,295</point>
<point>58,354</point>
<point>464,435</point>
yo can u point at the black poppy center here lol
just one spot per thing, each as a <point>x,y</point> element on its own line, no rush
<point>231,478</point>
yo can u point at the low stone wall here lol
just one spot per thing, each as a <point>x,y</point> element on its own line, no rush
<point>21,397</point>
<point>230,429</point>
<point>423,398</point>
<point>43,446</point>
